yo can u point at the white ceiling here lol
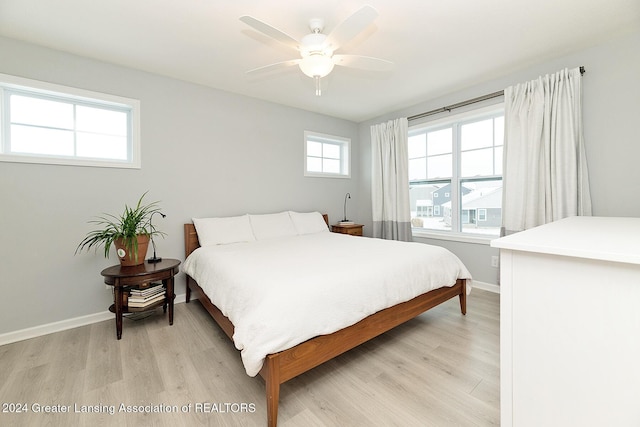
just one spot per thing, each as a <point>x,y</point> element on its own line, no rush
<point>437,46</point>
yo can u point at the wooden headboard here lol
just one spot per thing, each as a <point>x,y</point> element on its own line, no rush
<point>191,242</point>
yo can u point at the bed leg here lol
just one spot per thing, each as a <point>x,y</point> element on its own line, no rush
<point>463,298</point>
<point>272,382</point>
<point>188,295</point>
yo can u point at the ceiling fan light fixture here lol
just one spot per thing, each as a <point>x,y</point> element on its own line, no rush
<point>316,49</point>
<point>316,65</point>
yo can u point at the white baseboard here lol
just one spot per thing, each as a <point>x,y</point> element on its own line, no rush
<point>485,286</point>
<point>63,325</point>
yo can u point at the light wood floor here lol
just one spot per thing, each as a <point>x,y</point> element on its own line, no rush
<point>440,369</point>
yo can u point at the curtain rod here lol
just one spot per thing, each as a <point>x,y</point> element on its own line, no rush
<point>467,102</point>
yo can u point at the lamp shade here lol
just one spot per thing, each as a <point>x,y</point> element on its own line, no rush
<point>316,65</point>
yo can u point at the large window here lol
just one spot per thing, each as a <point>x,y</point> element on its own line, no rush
<point>455,174</point>
<point>326,155</point>
<point>45,123</point>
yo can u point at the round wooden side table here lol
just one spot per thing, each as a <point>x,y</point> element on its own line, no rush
<point>140,276</point>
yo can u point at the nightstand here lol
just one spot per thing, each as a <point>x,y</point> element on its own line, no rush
<point>139,276</point>
<point>351,229</point>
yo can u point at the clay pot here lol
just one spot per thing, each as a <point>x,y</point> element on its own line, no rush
<point>129,258</point>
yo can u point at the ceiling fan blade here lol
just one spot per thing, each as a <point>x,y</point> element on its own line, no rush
<point>270,31</point>
<point>363,62</point>
<point>274,67</point>
<point>351,27</point>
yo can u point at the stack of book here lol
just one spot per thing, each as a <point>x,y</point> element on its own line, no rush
<point>140,298</point>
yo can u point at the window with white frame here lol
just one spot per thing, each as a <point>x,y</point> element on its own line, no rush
<point>455,166</point>
<point>46,123</point>
<point>326,155</point>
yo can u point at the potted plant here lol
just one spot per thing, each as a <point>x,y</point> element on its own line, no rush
<point>129,233</point>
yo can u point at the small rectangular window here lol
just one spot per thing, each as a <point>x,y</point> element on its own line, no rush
<point>53,124</point>
<point>326,155</point>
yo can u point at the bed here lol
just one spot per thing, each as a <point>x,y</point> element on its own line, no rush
<point>249,267</point>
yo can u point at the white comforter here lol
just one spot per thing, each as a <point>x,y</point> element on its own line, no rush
<point>281,292</point>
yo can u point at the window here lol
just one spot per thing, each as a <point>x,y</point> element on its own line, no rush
<point>46,123</point>
<point>326,155</point>
<point>455,168</point>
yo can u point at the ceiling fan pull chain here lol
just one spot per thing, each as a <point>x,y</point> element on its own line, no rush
<point>318,90</point>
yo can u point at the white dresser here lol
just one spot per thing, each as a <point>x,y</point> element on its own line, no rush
<point>570,324</point>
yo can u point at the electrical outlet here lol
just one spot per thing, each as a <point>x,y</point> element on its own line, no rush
<point>495,261</point>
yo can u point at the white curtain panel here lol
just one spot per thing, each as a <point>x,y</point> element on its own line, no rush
<point>390,180</point>
<point>545,168</point>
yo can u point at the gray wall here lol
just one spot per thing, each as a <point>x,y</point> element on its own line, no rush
<point>204,153</point>
<point>611,111</point>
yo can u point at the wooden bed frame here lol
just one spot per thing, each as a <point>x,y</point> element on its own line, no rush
<point>287,364</point>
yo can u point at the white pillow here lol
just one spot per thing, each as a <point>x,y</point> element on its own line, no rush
<point>308,223</point>
<point>269,226</point>
<point>222,231</point>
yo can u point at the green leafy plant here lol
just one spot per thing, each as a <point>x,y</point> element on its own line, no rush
<point>128,226</point>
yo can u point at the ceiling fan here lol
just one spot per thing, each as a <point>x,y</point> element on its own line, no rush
<point>317,49</point>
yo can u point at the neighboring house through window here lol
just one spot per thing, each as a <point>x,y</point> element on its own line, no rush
<point>455,167</point>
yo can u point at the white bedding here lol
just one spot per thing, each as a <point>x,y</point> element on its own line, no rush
<point>280,292</point>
